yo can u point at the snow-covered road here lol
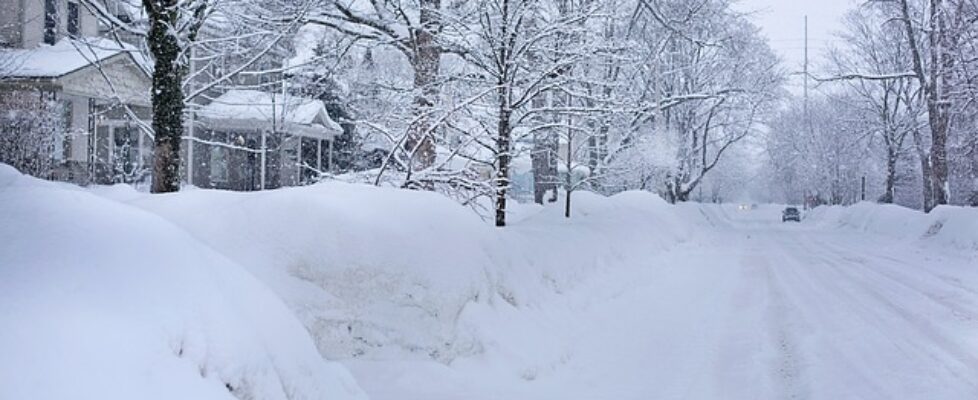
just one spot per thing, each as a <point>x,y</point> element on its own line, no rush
<point>756,309</point>
<point>845,315</point>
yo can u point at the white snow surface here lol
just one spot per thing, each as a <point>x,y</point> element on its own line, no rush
<point>262,107</point>
<point>65,56</point>
<point>104,301</point>
<point>632,298</point>
<point>945,225</point>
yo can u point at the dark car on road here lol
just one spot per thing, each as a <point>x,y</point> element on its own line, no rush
<point>790,214</point>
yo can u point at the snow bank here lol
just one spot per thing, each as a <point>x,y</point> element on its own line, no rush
<point>945,225</point>
<point>370,271</point>
<point>955,226</point>
<point>380,273</point>
<point>99,300</point>
<point>394,277</point>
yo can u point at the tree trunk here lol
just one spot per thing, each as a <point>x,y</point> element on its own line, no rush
<point>420,143</point>
<point>168,104</point>
<point>502,155</point>
<point>569,163</point>
<point>544,159</point>
<point>891,162</point>
<point>940,105</point>
<point>936,84</point>
<point>938,152</point>
<point>567,204</point>
<point>925,173</point>
<point>682,196</point>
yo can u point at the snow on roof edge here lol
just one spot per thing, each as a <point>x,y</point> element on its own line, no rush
<point>69,55</point>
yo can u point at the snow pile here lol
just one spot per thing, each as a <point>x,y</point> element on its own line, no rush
<point>368,270</point>
<point>945,225</point>
<point>955,226</point>
<point>99,300</point>
<point>380,273</point>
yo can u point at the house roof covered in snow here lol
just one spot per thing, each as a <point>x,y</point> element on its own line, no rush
<point>254,110</point>
<point>66,56</point>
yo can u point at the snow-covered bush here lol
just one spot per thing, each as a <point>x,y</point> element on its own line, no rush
<point>29,126</point>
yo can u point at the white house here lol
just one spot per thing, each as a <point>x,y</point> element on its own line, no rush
<point>234,139</point>
<point>251,140</point>
<point>51,51</point>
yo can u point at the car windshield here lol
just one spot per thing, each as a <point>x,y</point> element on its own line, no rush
<point>791,210</point>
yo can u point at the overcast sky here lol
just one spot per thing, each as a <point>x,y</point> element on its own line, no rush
<point>783,22</point>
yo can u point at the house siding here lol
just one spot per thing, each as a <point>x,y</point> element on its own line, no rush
<point>22,22</point>
<point>128,83</point>
<point>32,20</point>
<point>10,35</point>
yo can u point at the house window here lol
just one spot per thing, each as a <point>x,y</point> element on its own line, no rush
<point>74,23</point>
<point>50,21</point>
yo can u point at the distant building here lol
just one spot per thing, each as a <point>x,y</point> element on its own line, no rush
<point>51,49</point>
<point>298,132</point>
<point>102,86</point>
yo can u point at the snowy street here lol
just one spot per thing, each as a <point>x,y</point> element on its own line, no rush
<point>758,309</point>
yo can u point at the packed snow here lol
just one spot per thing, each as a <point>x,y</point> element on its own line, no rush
<point>319,291</point>
<point>104,301</point>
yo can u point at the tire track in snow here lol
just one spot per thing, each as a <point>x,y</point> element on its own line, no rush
<point>871,334</point>
<point>907,319</point>
<point>737,351</point>
<point>964,298</point>
<point>788,373</point>
<point>817,316</point>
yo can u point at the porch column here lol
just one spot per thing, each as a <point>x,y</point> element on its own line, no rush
<point>190,150</point>
<point>139,147</point>
<point>112,147</point>
<point>319,155</point>
<point>264,152</point>
<point>92,139</point>
<point>330,155</point>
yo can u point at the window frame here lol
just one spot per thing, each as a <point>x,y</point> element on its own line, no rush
<point>74,19</point>
<point>50,21</point>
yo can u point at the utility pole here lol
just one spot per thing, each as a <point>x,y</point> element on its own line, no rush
<point>808,120</point>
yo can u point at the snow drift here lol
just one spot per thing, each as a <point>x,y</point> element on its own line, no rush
<point>392,277</point>
<point>945,225</point>
<point>99,300</point>
<point>377,273</point>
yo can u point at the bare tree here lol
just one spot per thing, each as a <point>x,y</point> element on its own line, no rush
<point>513,54</point>
<point>413,29</point>
<point>933,43</point>
<point>889,100</point>
<point>822,164</point>
<point>719,79</point>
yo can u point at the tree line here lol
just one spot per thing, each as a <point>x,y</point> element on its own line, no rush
<point>897,104</point>
<point>475,98</point>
